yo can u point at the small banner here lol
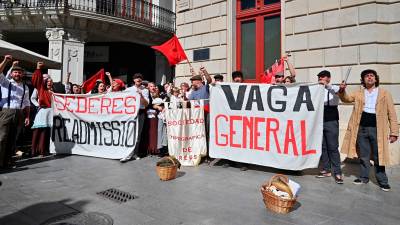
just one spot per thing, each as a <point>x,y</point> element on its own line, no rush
<point>270,125</point>
<point>186,133</point>
<point>102,126</point>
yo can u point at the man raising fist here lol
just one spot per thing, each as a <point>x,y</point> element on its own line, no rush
<point>14,105</point>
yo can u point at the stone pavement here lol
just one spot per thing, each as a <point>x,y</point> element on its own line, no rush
<point>41,189</point>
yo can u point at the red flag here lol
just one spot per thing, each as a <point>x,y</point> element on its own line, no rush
<point>89,84</point>
<point>172,50</point>
<point>269,74</point>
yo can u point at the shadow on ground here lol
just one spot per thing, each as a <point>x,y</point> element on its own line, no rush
<point>228,163</point>
<point>43,212</point>
<point>24,163</point>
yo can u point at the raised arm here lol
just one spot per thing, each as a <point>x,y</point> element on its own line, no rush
<point>67,78</point>
<point>6,60</point>
<point>3,64</point>
<point>206,75</point>
<point>108,74</point>
<point>290,66</point>
<point>192,71</point>
<point>67,84</point>
<point>14,64</point>
<point>37,76</point>
<point>343,95</point>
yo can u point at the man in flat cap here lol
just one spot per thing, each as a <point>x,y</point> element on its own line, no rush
<point>218,78</point>
<point>202,91</point>
<point>330,157</point>
<point>14,110</point>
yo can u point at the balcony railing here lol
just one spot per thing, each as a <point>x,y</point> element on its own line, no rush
<point>135,10</point>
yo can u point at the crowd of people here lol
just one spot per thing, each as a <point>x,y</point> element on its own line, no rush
<point>373,123</point>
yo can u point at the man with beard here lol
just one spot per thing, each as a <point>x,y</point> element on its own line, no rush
<point>14,112</point>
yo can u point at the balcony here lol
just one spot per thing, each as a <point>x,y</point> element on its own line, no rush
<point>134,12</point>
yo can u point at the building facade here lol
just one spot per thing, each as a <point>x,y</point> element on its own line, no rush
<point>249,35</point>
<point>87,35</point>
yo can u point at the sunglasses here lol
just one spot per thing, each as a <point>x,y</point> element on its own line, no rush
<point>278,76</point>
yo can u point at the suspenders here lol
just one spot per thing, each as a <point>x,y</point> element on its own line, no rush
<point>328,97</point>
<point>23,96</point>
<point>9,95</point>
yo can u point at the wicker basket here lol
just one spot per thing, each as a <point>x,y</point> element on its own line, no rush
<point>167,172</point>
<point>275,203</point>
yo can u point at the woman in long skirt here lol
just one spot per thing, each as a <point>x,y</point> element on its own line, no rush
<point>152,121</point>
<point>44,118</point>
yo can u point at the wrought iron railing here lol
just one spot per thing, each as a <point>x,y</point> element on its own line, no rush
<point>135,10</point>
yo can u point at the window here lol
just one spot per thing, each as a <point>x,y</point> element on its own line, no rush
<point>272,40</point>
<point>248,44</point>
<point>247,4</point>
<point>258,25</point>
<point>266,2</point>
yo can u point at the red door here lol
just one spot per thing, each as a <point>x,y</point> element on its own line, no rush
<point>258,26</point>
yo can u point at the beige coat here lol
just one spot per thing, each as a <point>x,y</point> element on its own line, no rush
<point>386,123</point>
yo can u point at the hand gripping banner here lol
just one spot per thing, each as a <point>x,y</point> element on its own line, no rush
<point>95,125</point>
<point>270,125</point>
<point>186,132</point>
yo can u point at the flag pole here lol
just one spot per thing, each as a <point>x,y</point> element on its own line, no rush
<point>190,65</point>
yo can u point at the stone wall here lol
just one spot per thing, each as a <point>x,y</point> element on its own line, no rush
<point>336,34</point>
<point>329,34</point>
<point>203,26</point>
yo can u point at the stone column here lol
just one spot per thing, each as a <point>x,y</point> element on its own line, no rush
<point>55,37</point>
<point>67,47</point>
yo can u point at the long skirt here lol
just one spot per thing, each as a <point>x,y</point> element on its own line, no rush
<point>41,132</point>
<point>152,135</point>
<point>144,138</point>
<point>162,138</point>
<point>41,141</point>
<point>43,118</point>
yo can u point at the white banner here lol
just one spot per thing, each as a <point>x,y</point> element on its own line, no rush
<point>186,134</point>
<point>95,125</point>
<point>270,125</point>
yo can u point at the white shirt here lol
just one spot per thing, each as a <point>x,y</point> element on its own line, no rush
<point>330,92</point>
<point>17,91</point>
<point>175,99</point>
<point>145,93</point>
<point>370,100</point>
<point>35,97</point>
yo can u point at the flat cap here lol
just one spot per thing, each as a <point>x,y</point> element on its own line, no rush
<point>218,77</point>
<point>196,77</point>
<point>17,68</point>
